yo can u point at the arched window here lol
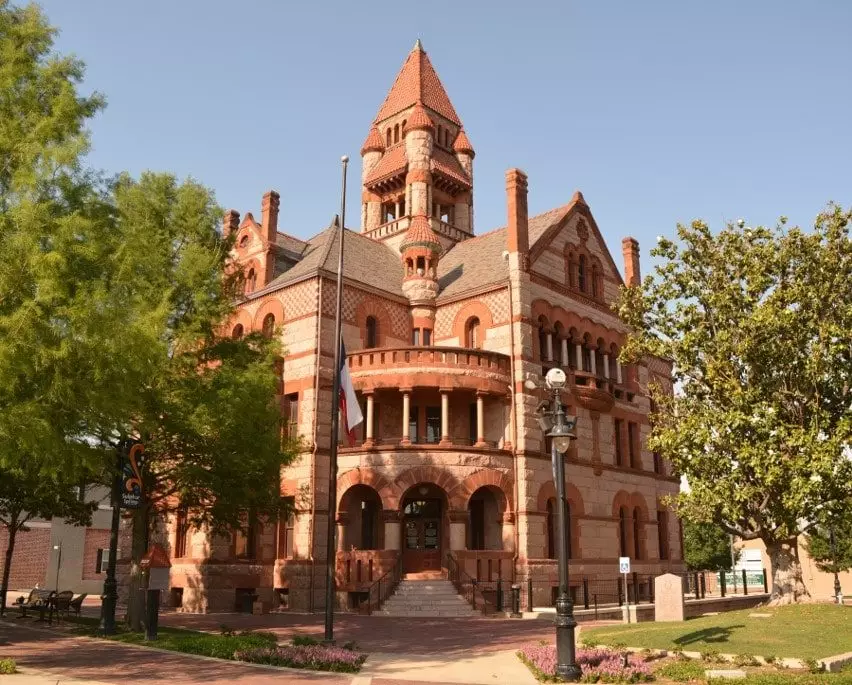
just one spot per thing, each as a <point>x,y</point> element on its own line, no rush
<point>587,357</point>
<point>251,281</point>
<point>572,270</point>
<point>181,532</point>
<point>244,241</point>
<point>389,141</point>
<point>472,333</point>
<point>237,333</point>
<point>622,532</point>
<point>372,332</point>
<point>581,273</point>
<point>268,325</point>
<point>663,533</point>
<point>396,133</point>
<point>637,526</point>
<point>403,126</point>
<point>595,276</point>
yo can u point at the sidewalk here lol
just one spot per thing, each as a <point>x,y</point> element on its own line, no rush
<point>49,658</point>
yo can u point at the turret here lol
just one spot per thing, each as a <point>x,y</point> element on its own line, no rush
<point>421,249</point>
<point>464,200</point>
<point>419,139</point>
<point>371,204</point>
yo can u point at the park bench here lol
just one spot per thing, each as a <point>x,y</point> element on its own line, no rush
<point>62,602</point>
<point>77,603</point>
<point>39,600</point>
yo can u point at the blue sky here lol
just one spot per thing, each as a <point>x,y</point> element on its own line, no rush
<point>659,112</point>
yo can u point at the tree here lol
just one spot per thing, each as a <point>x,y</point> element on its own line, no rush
<point>819,542</point>
<point>757,324</point>
<point>26,495</point>
<point>706,547</point>
<point>206,412</point>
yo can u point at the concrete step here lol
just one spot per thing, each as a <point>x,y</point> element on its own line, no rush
<point>428,613</point>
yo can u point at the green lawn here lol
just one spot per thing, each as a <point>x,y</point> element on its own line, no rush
<point>805,631</point>
<point>186,641</point>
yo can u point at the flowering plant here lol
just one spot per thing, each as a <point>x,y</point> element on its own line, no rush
<point>315,657</point>
<point>598,665</point>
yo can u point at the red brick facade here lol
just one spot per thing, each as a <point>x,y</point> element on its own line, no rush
<point>29,558</point>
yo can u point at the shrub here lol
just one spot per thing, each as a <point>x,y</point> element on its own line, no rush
<point>598,665</point>
<point>316,657</point>
<point>813,665</point>
<point>219,646</point>
<point>711,655</point>
<point>770,659</point>
<point>8,666</point>
<point>305,640</point>
<point>742,660</point>
<point>226,630</point>
<point>267,635</point>
<point>681,671</point>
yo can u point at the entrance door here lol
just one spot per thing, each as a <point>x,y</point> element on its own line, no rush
<point>422,535</point>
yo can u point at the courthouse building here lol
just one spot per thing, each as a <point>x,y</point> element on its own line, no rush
<point>443,321</point>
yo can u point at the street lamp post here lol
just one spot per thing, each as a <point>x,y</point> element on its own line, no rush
<point>561,433</point>
<point>838,594</point>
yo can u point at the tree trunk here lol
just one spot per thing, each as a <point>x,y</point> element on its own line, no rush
<point>787,584</point>
<point>135,598</point>
<point>7,568</point>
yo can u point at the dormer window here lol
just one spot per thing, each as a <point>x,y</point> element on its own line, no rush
<point>388,144</point>
<point>372,332</point>
<point>251,281</point>
<point>244,241</point>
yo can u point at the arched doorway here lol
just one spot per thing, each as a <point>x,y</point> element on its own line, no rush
<point>425,530</point>
<point>361,516</point>
<point>486,519</point>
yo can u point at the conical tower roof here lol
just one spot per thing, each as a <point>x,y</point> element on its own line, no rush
<point>462,143</point>
<point>417,80</point>
<point>419,119</point>
<point>374,142</point>
<point>420,234</point>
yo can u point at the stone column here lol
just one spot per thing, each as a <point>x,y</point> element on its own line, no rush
<point>480,420</point>
<point>606,365</point>
<point>342,522</point>
<point>508,532</point>
<point>579,349</point>
<point>396,210</point>
<point>565,362</point>
<point>593,359</point>
<point>406,410</point>
<point>369,428</point>
<point>458,529</point>
<point>618,371</point>
<point>393,530</point>
<point>549,346</point>
<point>445,417</point>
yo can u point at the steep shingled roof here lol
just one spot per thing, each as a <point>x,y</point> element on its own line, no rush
<point>365,260</point>
<point>417,80</point>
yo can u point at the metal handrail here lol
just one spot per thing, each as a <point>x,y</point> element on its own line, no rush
<point>465,585</point>
<point>383,588</point>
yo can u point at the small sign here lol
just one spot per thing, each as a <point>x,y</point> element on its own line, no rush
<point>131,495</point>
<point>624,564</point>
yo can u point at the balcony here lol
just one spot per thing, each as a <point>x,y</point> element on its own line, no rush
<point>431,367</point>
<point>594,392</point>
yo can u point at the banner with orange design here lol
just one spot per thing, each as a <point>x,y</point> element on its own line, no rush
<point>132,495</point>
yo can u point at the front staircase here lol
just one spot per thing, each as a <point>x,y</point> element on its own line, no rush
<point>426,598</point>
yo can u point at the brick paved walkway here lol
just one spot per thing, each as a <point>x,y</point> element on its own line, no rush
<point>432,652</point>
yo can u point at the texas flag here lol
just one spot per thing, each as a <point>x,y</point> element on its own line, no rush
<point>350,410</point>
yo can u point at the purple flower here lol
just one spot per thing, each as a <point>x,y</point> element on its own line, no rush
<point>315,657</point>
<point>598,665</point>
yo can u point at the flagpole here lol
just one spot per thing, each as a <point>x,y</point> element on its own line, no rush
<point>331,546</point>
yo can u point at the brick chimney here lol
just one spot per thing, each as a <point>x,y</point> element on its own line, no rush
<point>269,216</point>
<point>230,223</point>
<point>517,239</point>
<point>630,250</point>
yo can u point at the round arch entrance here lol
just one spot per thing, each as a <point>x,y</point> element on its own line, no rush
<point>425,528</point>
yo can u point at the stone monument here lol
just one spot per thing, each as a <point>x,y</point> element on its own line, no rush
<point>668,598</point>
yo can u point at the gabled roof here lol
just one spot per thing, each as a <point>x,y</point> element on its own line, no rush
<point>417,80</point>
<point>364,260</point>
<point>391,163</point>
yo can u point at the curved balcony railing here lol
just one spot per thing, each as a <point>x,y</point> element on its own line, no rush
<point>434,367</point>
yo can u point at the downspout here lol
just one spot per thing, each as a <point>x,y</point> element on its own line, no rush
<point>314,436</point>
<point>513,425</point>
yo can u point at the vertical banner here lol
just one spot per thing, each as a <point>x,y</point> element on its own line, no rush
<point>131,495</point>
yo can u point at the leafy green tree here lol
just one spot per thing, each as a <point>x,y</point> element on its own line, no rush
<point>26,495</point>
<point>819,541</point>
<point>206,412</point>
<point>757,324</point>
<point>706,547</point>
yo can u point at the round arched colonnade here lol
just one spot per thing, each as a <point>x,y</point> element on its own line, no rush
<point>424,513</point>
<point>572,341</point>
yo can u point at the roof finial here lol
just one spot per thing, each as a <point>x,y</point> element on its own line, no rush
<point>418,45</point>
